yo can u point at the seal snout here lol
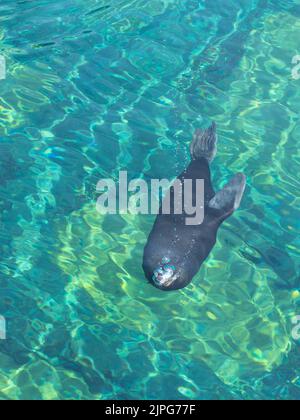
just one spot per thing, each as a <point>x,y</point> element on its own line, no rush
<point>164,278</point>
<point>165,275</point>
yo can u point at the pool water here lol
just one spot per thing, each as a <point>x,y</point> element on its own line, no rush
<point>94,87</point>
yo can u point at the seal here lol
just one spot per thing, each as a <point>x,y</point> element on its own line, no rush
<point>175,251</point>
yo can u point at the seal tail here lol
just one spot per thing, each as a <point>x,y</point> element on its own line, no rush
<point>204,144</point>
<point>229,198</point>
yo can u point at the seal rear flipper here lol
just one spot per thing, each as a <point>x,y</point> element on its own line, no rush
<point>229,198</point>
<point>204,144</point>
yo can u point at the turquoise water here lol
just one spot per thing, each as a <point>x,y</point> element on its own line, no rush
<point>94,87</point>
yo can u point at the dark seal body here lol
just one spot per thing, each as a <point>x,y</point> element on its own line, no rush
<point>175,251</point>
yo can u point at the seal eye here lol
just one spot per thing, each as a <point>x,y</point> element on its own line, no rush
<point>169,268</point>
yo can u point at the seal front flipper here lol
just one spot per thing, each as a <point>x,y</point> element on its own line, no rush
<point>229,198</point>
